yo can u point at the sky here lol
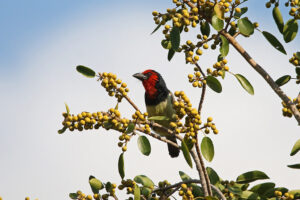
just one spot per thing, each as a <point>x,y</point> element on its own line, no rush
<point>41,43</point>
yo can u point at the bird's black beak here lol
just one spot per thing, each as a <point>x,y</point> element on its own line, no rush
<point>140,76</point>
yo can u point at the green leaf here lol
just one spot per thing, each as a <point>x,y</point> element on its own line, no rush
<point>283,80</point>
<point>108,187</point>
<point>137,193</point>
<point>294,166</point>
<point>205,28</point>
<point>86,71</point>
<point>186,154</point>
<point>214,84</point>
<point>144,180</point>
<point>67,108</point>
<point>170,54</point>
<point>217,23</point>
<point>130,128</point>
<point>146,191</point>
<point>235,190</point>
<point>184,176</point>
<point>290,30</point>
<point>73,195</point>
<point>121,165</point>
<point>297,69</point>
<point>278,18</point>
<point>297,55</point>
<point>245,26</point>
<point>107,125</point>
<point>158,118</point>
<point>144,145</point>
<point>249,195</point>
<point>219,11</point>
<point>245,83</point>
<point>243,11</point>
<point>213,176</point>
<point>262,188</point>
<point>207,149</point>
<point>224,48</point>
<point>251,176</point>
<point>61,131</point>
<point>296,148</point>
<point>95,184</point>
<point>158,26</point>
<point>166,44</point>
<point>175,38</point>
<point>274,41</point>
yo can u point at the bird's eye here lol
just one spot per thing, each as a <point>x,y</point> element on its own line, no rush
<point>148,74</point>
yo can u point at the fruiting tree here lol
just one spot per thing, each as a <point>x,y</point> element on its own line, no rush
<point>220,24</point>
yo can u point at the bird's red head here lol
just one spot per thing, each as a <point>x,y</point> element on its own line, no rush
<point>152,82</point>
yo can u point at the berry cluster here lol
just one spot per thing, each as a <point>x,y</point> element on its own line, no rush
<point>186,192</point>
<point>286,195</point>
<point>128,184</point>
<point>196,79</point>
<point>295,60</point>
<point>183,17</point>
<point>110,82</point>
<point>219,68</point>
<point>87,120</point>
<point>286,112</point>
<point>193,121</point>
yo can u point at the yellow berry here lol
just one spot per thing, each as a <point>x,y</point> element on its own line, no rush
<point>124,148</point>
<point>154,13</point>
<point>205,46</point>
<point>238,10</point>
<point>199,52</point>
<point>209,119</point>
<point>190,76</point>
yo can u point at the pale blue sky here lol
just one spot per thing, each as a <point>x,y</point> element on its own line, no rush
<point>40,44</point>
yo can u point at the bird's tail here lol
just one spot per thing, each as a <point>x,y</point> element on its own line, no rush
<point>173,151</point>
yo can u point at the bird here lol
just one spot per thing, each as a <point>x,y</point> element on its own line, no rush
<point>159,102</point>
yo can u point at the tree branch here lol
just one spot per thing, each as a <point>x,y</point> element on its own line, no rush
<point>200,171</point>
<point>264,74</point>
<point>203,166</point>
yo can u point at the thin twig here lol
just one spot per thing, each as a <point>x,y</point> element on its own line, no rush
<point>230,17</point>
<point>203,166</point>
<point>163,139</point>
<point>221,195</point>
<point>203,89</point>
<point>236,34</point>
<point>173,191</point>
<point>202,98</point>
<point>131,102</point>
<point>264,74</point>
